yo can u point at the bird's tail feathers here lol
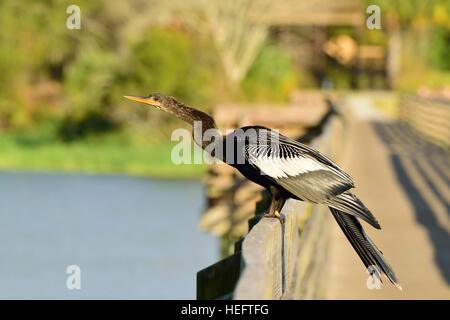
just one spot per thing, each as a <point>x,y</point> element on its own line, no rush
<point>363,245</point>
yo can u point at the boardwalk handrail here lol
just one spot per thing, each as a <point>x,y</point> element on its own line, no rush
<point>275,261</point>
<point>429,117</point>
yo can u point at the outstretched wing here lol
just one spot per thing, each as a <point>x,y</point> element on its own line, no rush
<point>299,169</point>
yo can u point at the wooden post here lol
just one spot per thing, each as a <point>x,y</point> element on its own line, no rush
<point>394,51</point>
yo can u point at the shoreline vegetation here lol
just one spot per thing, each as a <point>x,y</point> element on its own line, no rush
<point>104,156</point>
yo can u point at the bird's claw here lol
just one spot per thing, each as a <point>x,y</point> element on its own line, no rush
<point>276,215</point>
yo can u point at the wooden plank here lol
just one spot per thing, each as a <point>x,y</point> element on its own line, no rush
<point>263,261</point>
<point>219,280</point>
<point>311,256</point>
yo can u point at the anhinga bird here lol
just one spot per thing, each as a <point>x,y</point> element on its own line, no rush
<point>287,169</point>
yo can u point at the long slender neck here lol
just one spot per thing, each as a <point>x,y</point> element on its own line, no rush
<point>203,124</point>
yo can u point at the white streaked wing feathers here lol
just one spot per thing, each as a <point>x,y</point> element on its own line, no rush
<point>278,167</point>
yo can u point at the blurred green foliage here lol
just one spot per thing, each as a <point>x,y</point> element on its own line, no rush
<point>439,55</point>
<point>77,77</point>
<point>272,76</point>
<point>173,61</point>
<point>177,62</point>
<point>425,29</point>
<point>415,12</point>
<point>60,85</point>
<point>165,60</point>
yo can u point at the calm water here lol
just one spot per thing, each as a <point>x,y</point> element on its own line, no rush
<point>131,237</point>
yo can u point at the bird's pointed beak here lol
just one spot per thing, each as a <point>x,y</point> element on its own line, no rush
<point>144,100</point>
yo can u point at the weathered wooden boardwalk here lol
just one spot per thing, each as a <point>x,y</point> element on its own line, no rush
<point>405,181</point>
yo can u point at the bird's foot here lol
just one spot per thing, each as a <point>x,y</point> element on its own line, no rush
<point>276,215</point>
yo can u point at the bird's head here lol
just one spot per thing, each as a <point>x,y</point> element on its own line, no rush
<point>182,111</point>
<point>157,100</point>
<point>168,104</point>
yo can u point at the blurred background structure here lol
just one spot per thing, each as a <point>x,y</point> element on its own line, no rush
<point>246,61</point>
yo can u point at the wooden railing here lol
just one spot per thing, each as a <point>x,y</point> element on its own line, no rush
<point>429,117</point>
<point>275,261</point>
